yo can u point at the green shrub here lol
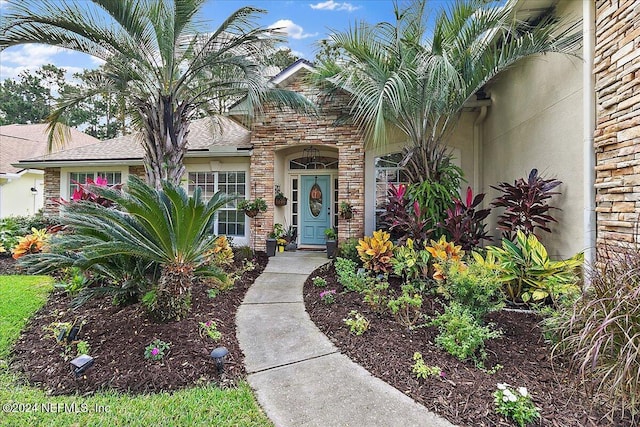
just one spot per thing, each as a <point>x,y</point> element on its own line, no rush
<point>319,282</point>
<point>346,270</point>
<point>460,333</point>
<point>406,308</point>
<point>241,253</point>
<point>421,369</point>
<point>347,249</point>
<point>9,233</point>
<point>475,287</point>
<point>73,281</point>
<point>516,405</point>
<point>357,323</point>
<point>376,294</point>
<point>599,333</point>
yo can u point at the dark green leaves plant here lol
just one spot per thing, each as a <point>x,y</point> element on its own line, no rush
<point>526,204</point>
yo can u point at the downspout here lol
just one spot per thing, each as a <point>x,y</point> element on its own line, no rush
<point>477,150</point>
<point>589,123</point>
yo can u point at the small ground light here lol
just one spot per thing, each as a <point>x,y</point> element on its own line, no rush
<point>81,364</point>
<point>218,356</point>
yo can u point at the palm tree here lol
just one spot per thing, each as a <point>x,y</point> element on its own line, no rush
<point>418,80</point>
<point>156,58</point>
<point>143,229</point>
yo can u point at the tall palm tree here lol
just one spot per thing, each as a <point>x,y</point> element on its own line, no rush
<point>157,58</point>
<point>419,78</point>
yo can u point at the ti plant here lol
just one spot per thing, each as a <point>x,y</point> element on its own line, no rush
<point>405,218</point>
<point>525,204</point>
<point>463,221</point>
<point>529,274</point>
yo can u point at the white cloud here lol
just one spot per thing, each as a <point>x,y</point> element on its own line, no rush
<point>292,29</point>
<point>31,55</point>
<point>333,5</point>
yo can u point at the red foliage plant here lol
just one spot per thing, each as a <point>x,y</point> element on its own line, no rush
<point>464,223</point>
<point>525,204</point>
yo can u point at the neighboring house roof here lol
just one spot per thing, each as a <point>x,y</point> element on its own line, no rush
<point>24,141</point>
<point>209,136</point>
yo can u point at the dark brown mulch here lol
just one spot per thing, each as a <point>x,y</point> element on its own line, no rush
<point>9,266</point>
<point>118,337</point>
<point>464,395</point>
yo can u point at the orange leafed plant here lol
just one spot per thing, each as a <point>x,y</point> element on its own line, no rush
<point>376,252</point>
<point>221,254</point>
<point>444,251</point>
<point>31,243</point>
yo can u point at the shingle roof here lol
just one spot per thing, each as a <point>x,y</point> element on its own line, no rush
<point>23,141</point>
<point>209,133</point>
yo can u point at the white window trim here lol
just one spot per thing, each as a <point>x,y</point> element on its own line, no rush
<point>65,182</point>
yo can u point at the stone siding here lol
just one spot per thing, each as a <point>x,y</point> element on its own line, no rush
<point>617,135</point>
<point>138,171</point>
<point>51,191</point>
<point>282,128</point>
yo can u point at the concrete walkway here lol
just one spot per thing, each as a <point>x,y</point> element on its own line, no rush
<point>299,377</point>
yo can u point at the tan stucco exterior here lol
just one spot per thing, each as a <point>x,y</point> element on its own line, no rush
<point>535,121</point>
<point>17,197</point>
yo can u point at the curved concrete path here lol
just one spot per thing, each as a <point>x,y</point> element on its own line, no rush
<point>299,376</point>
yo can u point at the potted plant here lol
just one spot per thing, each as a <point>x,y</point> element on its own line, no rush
<point>291,236</point>
<point>251,208</point>
<point>280,199</point>
<point>346,210</point>
<point>332,243</point>
<point>281,244</point>
<point>272,239</point>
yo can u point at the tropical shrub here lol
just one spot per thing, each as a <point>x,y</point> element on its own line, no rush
<point>598,333</point>
<point>357,323</point>
<point>474,286</point>
<point>403,217</point>
<point>460,333</point>
<point>443,252</point>
<point>73,281</point>
<point>376,251</point>
<point>526,204</point>
<point>31,243</point>
<point>463,223</point>
<point>86,192</point>
<point>410,264</point>
<point>436,195</point>
<point>346,270</point>
<point>529,274</point>
<point>221,254</point>
<point>407,307</point>
<point>161,230</point>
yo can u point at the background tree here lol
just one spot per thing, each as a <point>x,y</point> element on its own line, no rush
<point>157,58</point>
<point>30,98</point>
<point>418,79</point>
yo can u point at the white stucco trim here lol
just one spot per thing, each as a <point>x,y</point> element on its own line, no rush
<point>589,123</point>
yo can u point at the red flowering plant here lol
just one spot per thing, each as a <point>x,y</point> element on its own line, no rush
<point>86,191</point>
<point>463,221</point>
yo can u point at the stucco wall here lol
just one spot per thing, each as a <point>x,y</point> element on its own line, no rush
<point>17,198</point>
<point>617,136</point>
<point>535,121</point>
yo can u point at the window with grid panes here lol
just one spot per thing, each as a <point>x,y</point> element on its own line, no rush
<point>81,177</point>
<point>388,172</point>
<point>229,220</point>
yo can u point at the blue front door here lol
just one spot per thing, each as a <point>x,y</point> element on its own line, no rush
<point>315,209</point>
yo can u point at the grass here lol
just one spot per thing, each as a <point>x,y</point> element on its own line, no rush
<point>206,406</point>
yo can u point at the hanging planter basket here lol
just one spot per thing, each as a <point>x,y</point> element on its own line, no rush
<point>251,213</point>
<point>280,201</point>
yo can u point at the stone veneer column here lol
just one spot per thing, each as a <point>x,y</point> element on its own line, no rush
<point>51,191</point>
<point>617,135</point>
<point>282,128</point>
<point>138,171</point>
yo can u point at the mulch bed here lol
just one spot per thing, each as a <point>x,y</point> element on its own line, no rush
<point>464,396</point>
<point>118,337</point>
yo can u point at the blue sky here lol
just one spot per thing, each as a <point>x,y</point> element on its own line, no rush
<point>306,22</point>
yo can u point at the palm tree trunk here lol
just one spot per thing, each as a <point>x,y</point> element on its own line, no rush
<point>173,295</point>
<point>166,127</point>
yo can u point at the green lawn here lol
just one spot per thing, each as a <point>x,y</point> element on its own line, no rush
<point>20,297</point>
